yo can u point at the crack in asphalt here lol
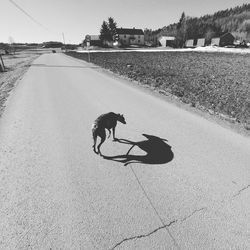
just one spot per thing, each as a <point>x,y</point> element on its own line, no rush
<point>143,235</point>
<point>157,229</point>
<point>153,207</point>
<point>195,211</point>
<point>241,190</point>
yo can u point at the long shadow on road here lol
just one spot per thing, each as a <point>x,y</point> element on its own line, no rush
<point>156,148</point>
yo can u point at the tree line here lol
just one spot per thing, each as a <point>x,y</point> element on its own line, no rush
<point>235,20</point>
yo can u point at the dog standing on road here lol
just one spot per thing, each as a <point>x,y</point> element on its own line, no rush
<point>106,121</point>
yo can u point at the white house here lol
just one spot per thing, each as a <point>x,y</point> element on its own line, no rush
<point>130,36</point>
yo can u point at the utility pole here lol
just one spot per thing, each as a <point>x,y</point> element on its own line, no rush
<point>89,55</point>
<point>64,42</point>
<point>88,38</point>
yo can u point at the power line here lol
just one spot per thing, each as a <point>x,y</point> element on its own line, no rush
<point>27,14</point>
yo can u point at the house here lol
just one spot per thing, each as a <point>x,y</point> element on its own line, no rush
<point>167,41</point>
<point>224,40</point>
<point>129,37</point>
<point>93,40</point>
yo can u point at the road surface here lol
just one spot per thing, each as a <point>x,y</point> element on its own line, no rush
<point>193,192</point>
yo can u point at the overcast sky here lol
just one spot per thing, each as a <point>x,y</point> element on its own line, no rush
<point>46,20</point>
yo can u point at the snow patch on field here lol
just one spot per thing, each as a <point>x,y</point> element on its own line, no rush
<point>222,49</point>
<point>161,49</point>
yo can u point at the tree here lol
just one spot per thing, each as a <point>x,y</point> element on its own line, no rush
<point>234,20</point>
<point>108,31</point>
<point>209,35</point>
<point>245,26</point>
<point>181,21</point>
<point>105,32</point>
<point>181,31</point>
<point>112,27</point>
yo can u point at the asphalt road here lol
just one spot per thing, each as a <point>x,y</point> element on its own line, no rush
<point>190,192</point>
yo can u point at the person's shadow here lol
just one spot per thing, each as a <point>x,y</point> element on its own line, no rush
<point>156,148</point>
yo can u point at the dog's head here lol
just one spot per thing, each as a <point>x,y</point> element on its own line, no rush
<point>121,118</point>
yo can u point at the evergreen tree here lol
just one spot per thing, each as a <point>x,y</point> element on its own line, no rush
<point>234,20</point>
<point>181,31</point>
<point>108,30</point>
<point>210,33</point>
<point>105,32</point>
<point>181,21</point>
<point>112,27</point>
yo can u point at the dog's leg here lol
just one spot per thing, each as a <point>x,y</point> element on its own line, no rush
<point>94,145</point>
<point>114,138</point>
<point>102,134</point>
<point>109,133</point>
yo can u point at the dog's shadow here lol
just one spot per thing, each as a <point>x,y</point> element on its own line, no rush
<point>156,148</point>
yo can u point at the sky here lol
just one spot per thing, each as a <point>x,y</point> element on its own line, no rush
<point>47,20</point>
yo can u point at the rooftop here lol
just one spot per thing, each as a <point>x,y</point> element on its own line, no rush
<point>133,31</point>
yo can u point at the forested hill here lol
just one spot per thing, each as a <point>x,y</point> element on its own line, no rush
<point>235,20</point>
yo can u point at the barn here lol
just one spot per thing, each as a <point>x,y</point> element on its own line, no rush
<point>167,41</point>
<point>200,42</point>
<point>224,40</point>
<point>189,43</point>
<point>227,39</point>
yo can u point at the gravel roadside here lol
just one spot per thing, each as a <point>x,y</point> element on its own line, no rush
<point>15,67</point>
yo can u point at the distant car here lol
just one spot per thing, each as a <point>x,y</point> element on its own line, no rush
<point>53,51</point>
